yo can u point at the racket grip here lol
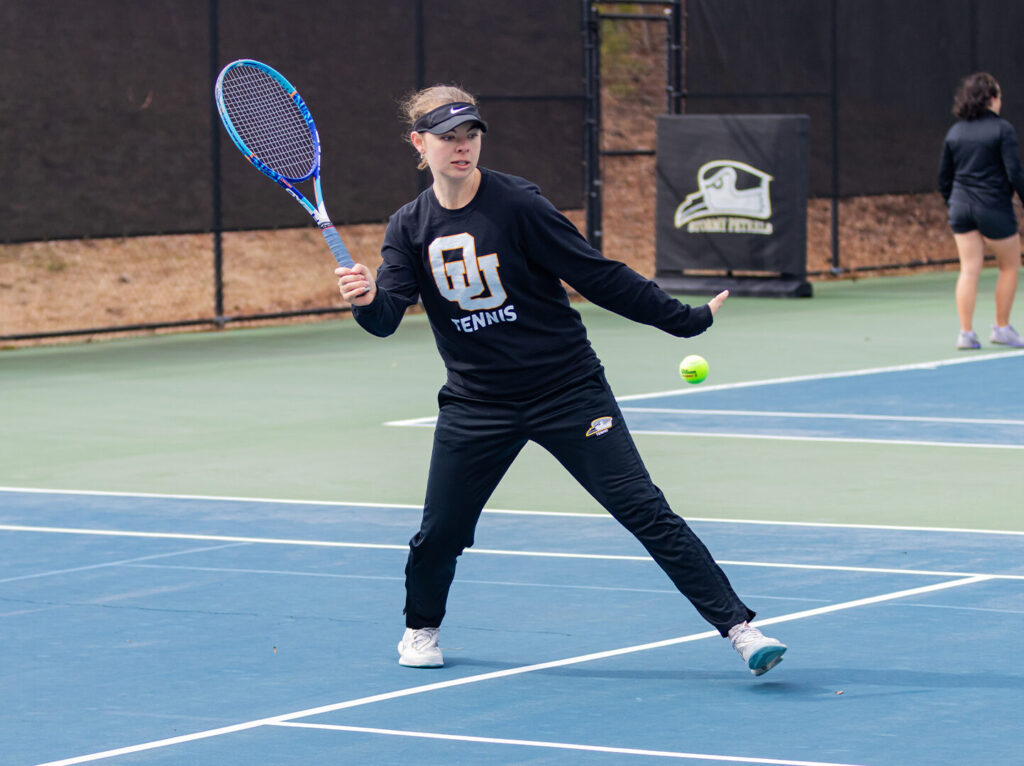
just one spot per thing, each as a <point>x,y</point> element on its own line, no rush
<point>341,254</point>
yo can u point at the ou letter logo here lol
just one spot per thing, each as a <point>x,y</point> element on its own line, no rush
<point>471,281</point>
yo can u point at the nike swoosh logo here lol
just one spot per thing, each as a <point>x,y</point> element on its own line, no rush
<point>460,109</point>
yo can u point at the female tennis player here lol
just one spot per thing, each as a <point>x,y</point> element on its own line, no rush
<point>979,171</point>
<point>486,253</point>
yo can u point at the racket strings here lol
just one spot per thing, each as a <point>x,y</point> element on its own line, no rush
<point>269,122</point>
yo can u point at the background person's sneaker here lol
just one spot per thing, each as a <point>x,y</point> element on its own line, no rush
<point>1006,336</point>
<point>418,649</point>
<point>967,339</point>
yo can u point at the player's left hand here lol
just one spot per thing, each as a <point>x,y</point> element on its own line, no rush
<point>356,284</point>
<point>716,303</point>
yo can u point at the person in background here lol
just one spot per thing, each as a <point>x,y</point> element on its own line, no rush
<point>979,171</point>
<point>486,253</point>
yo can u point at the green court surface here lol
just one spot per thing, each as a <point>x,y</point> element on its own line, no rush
<point>299,412</point>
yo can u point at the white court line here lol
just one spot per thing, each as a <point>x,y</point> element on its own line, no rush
<point>509,672</point>
<point>508,511</point>
<point>221,498</point>
<point>559,745</point>
<point>122,562</point>
<point>428,422</point>
<point>691,390</point>
<point>189,536</point>
<point>842,440</point>
<point>825,416</point>
<point>401,578</point>
<point>826,375</point>
<point>468,551</point>
<point>867,570</point>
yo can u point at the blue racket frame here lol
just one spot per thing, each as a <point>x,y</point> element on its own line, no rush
<point>317,211</point>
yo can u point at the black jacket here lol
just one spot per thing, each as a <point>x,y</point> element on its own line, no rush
<point>980,163</point>
<point>490,277</point>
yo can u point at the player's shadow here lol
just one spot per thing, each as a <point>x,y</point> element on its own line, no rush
<point>784,680</point>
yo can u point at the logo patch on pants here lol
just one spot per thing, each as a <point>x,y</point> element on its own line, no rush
<point>600,426</point>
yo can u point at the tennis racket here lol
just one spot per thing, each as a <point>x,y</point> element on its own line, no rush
<point>269,123</point>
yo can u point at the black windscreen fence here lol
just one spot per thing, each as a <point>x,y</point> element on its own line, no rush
<point>106,124</point>
<point>876,77</point>
<point>108,114</point>
<point>110,132</point>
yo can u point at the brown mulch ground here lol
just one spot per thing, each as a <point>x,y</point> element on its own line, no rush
<point>65,285</point>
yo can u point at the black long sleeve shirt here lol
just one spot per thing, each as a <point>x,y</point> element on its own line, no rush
<point>980,163</point>
<point>489,275</point>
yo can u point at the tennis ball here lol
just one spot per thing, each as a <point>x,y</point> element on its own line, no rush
<point>693,369</point>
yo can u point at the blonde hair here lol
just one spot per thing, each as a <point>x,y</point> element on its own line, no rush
<point>417,104</point>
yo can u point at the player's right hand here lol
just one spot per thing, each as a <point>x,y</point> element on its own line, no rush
<point>356,284</point>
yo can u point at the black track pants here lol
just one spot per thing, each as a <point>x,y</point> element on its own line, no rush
<point>475,442</point>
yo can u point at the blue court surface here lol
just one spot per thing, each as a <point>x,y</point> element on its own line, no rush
<point>912,404</point>
<point>184,630</point>
<point>917,404</point>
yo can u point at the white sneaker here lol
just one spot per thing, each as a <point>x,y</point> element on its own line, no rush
<point>757,650</point>
<point>418,649</point>
<point>1006,336</point>
<point>967,339</point>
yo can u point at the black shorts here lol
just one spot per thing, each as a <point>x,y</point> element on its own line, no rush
<point>993,223</point>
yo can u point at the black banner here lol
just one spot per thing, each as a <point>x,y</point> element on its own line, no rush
<point>732,202</point>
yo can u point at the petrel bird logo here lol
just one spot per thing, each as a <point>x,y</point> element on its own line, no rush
<point>599,426</point>
<point>718,193</point>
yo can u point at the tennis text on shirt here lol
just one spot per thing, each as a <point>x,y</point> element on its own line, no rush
<point>470,280</point>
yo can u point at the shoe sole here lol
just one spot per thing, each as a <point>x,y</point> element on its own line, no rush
<point>420,664</point>
<point>409,664</point>
<point>763,660</point>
